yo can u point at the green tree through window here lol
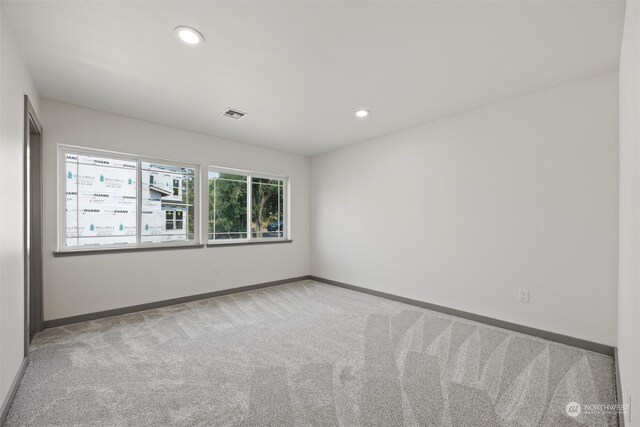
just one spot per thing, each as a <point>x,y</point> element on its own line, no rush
<point>227,206</point>
<point>228,203</point>
<point>266,207</point>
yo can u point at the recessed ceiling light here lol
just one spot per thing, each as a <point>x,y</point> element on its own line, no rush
<point>362,113</point>
<point>188,35</point>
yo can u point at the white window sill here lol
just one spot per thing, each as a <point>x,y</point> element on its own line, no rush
<point>96,251</point>
<point>213,244</point>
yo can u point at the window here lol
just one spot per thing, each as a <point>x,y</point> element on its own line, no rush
<point>171,195</point>
<point>169,223</point>
<point>174,220</point>
<point>179,215</point>
<point>227,206</point>
<point>267,207</point>
<point>101,200</point>
<point>104,205</point>
<point>176,187</point>
<point>246,206</point>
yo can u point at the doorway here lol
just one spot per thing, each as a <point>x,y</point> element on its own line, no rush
<point>33,304</point>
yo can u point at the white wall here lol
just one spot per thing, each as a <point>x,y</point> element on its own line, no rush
<point>629,264</point>
<point>15,82</point>
<point>466,211</point>
<point>84,284</point>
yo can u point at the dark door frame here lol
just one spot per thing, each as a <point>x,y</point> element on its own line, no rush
<point>32,199</point>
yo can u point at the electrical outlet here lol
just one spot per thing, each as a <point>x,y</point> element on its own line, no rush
<point>216,271</point>
<point>524,295</point>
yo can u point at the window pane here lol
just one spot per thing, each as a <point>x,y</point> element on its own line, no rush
<point>227,206</point>
<point>168,191</point>
<point>267,206</point>
<point>100,201</point>
<point>227,176</point>
<point>71,199</point>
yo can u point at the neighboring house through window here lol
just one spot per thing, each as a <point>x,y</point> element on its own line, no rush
<point>115,200</point>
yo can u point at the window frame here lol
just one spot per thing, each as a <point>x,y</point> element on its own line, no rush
<point>286,230</point>
<point>64,149</point>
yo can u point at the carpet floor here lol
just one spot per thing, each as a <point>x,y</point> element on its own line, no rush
<point>305,353</point>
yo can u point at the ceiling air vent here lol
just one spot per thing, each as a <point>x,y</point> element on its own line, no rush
<point>233,114</point>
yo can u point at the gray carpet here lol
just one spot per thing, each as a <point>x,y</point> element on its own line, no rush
<point>305,354</point>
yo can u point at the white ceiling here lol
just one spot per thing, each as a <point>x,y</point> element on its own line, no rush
<point>301,69</point>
